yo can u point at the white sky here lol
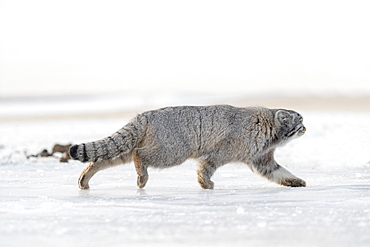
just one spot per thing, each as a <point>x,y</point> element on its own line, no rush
<point>84,46</point>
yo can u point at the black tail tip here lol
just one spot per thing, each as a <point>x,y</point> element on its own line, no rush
<point>73,151</point>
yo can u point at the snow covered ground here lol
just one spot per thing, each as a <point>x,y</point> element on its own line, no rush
<point>41,204</point>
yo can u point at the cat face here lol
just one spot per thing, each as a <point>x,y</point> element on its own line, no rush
<point>291,125</point>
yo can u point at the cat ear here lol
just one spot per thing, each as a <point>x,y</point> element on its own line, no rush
<point>283,116</point>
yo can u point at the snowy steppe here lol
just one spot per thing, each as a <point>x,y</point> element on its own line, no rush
<point>41,204</point>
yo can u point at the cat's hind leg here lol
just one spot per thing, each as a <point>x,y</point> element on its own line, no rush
<point>89,172</point>
<point>141,170</point>
<point>94,167</point>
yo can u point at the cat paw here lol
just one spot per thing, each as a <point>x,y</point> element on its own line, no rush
<point>293,182</point>
<point>82,183</point>
<point>141,181</point>
<point>84,187</point>
<point>207,185</point>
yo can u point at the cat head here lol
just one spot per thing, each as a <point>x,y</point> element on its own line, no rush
<point>290,124</point>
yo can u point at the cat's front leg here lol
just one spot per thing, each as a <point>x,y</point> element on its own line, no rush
<point>267,167</point>
<point>284,177</point>
<point>206,169</point>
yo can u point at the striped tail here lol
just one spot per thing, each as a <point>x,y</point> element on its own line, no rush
<point>121,142</point>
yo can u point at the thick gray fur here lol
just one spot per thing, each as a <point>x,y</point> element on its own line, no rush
<point>213,135</point>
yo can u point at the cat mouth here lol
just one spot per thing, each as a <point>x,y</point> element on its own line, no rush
<point>299,131</point>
